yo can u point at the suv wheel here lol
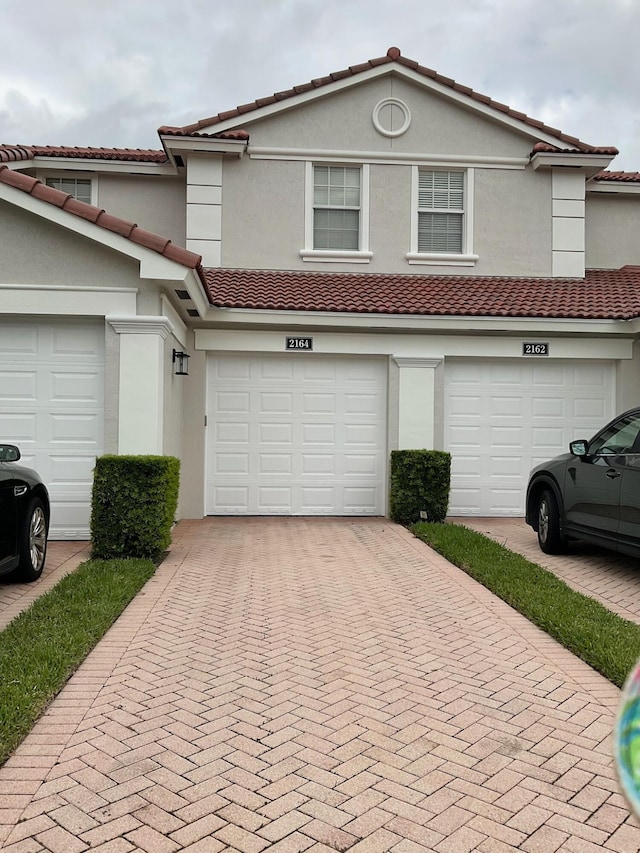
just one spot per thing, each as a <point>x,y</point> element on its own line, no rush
<point>549,537</point>
<point>33,542</point>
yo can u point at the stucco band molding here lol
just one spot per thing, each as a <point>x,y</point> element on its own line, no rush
<point>394,158</point>
<point>142,325</point>
<point>429,363</point>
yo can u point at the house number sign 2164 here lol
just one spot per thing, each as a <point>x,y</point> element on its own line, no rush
<point>535,349</point>
<point>299,343</point>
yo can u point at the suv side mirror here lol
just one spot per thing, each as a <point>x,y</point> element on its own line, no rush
<point>579,447</point>
<point>9,453</point>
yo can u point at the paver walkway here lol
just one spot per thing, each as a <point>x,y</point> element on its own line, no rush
<point>611,578</point>
<point>319,684</point>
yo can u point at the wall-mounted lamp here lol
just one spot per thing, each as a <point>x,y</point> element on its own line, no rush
<point>181,362</point>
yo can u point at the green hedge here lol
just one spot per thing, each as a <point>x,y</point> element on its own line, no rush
<point>133,505</point>
<point>420,482</point>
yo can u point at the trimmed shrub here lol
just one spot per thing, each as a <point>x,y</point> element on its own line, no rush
<point>133,505</point>
<point>420,482</point>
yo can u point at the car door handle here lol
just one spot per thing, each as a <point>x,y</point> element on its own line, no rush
<point>612,474</point>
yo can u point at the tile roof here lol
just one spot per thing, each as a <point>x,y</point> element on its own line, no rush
<point>602,294</point>
<point>392,55</point>
<point>627,177</point>
<point>129,230</point>
<point>15,153</point>
<point>545,147</point>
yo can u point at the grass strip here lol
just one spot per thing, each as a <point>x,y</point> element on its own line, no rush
<point>604,640</point>
<point>42,647</point>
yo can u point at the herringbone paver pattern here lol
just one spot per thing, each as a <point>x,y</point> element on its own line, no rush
<point>319,684</point>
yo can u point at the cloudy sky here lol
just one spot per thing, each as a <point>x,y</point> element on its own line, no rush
<point>83,72</point>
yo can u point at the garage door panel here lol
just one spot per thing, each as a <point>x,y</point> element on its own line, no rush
<point>592,410</point>
<point>360,501</point>
<point>274,463</point>
<point>314,403</point>
<point>516,413</point>
<point>319,428</point>
<point>548,407</point>
<point>18,386</point>
<point>318,434</point>
<point>363,435</point>
<point>468,405</point>
<point>273,499</point>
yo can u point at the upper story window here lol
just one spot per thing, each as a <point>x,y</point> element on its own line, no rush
<point>336,207</point>
<point>79,188</point>
<point>440,211</point>
<point>337,213</point>
<point>442,228</point>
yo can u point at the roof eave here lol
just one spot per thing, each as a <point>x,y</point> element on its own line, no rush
<point>590,164</point>
<point>178,145</point>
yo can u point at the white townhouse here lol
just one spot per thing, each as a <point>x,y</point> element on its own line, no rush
<point>381,258</point>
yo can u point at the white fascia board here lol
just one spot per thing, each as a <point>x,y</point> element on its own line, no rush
<point>545,326</point>
<point>152,265</point>
<point>613,187</point>
<point>194,143</point>
<point>591,163</point>
<point>390,158</point>
<point>422,350</point>
<point>536,134</point>
<point>49,164</point>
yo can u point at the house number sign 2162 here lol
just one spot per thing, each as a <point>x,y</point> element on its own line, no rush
<point>299,343</point>
<point>535,349</point>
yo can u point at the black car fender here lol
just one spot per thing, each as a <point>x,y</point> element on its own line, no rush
<point>537,485</point>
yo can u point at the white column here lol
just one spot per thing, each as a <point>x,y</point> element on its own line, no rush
<point>141,383</point>
<point>204,207</point>
<point>568,223</point>
<point>416,402</point>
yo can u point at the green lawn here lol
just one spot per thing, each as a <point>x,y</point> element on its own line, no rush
<point>45,644</point>
<point>607,642</point>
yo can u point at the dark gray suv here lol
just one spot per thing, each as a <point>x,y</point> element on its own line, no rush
<point>591,493</point>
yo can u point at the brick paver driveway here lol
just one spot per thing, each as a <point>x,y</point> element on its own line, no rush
<point>319,684</point>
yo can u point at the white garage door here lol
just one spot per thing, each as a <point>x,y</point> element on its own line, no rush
<point>503,417</point>
<point>302,435</point>
<point>52,407</point>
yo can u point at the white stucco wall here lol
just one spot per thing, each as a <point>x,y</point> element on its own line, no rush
<point>152,202</point>
<point>612,230</point>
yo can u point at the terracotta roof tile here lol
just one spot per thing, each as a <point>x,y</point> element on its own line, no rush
<point>544,147</point>
<point>129,230</point>
<point>627,177</point>
<point>14,153</point>
<point>602,294</point>
<point>392,55</point>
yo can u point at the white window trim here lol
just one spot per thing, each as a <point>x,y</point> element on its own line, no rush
<point>363,255</point>
<point>93,179</point>
<point>466,258</point>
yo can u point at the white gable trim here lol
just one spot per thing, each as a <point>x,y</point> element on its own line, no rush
<point>246,119</point>
<point>152,265</point>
